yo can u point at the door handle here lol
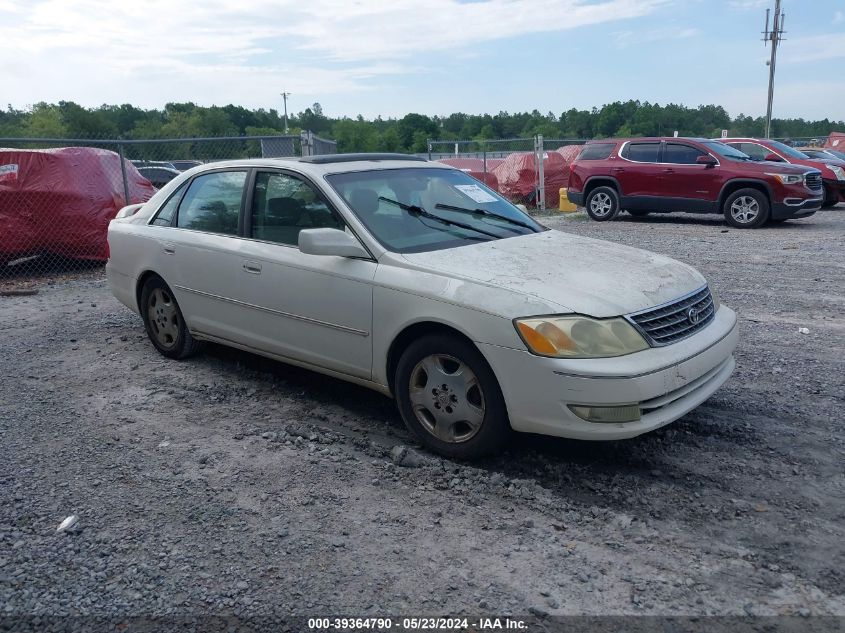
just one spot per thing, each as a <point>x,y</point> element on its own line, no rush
<point>617,169</point>
<point>252,267</point>
<point>168,249</point>
<point>668,171</point>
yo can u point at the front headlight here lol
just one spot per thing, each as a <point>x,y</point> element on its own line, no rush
<point>788,179</point>
<point>838,171</point>
<point>716,301</point>
<point>579,336</point>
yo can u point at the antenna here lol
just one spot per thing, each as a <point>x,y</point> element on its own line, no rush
<point>775,36</point>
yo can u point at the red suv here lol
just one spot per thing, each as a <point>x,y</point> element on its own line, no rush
<point>832,168</point>
<point>698,175</point>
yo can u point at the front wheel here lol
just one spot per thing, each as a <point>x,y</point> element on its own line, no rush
<point>602,204</point>
<point>746,209</point>
<point>450,399</point>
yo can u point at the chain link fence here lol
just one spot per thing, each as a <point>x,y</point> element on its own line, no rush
<point>57,196</point>
<point>514,167</point>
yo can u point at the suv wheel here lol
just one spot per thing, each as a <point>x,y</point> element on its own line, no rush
<point>746,209</point>
<point>602,204</point>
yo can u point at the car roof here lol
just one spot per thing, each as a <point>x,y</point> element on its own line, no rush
<point>654,139</point>
<point>330,163</point>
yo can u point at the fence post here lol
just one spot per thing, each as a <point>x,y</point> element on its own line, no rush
<point>484,158</point>
<point>429,149</point>
<point>541,176</point>
<point>123,174</point>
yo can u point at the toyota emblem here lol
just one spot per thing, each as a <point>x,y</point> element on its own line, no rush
<point>693,316</point>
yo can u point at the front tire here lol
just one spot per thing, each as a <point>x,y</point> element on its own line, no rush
<point>746,209</point>
<point>450,399</point>
<point>602,204</point>
<point>164,323</point>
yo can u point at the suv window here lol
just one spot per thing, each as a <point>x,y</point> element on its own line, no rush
<point>213,203</point>
<point>596,151</point>
<point>642,152</point>
<point>164,217</point>
<point>283,205</point>
<point>681,154</point>
<point>755,151</point>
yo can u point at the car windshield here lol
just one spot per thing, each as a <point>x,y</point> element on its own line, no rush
<point>426,209</point>
<point>837,154</point>
<point>726,151</point>
<point>783,148</point>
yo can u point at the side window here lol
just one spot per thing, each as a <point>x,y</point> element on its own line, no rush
<point>283,205</point>
<point>596,151</point>
<point>757,152</point>
<point>164,217</point>
<point>642,152</point>
<point>680,154</point>
<point>213,203</point>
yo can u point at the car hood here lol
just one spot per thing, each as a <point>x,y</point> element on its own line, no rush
<point>555,272</point>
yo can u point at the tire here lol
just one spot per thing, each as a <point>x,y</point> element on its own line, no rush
<point>164,323</point>
<point>450,399</point>
<point>638,213</point>
<point>746,209</point>
<point>830,200</point>
<point>602,204</point>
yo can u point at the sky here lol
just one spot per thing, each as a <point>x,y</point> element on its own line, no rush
<point>390,57</point>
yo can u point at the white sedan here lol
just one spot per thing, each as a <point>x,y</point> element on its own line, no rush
<point>414,279</point>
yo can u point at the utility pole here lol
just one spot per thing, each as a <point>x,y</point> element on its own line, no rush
<point>285,96</point>
<point>775,36</point>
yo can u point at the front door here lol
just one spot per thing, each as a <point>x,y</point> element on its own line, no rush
<point>685,181</point>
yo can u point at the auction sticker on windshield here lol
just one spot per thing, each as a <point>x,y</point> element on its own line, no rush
<point>476,193</point>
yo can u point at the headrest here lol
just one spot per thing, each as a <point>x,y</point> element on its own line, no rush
<point>364,200</point>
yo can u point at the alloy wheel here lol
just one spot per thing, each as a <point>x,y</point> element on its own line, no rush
<point>745,209</point>
<point>163,317</point>
<point>601,204</point>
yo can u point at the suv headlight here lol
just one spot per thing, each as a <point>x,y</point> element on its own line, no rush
<point>579,336</point>
<point>788,179</point>
<point>838,171</point>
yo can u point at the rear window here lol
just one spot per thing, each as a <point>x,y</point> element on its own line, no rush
<point>596,151</point>
<point>642,152</point>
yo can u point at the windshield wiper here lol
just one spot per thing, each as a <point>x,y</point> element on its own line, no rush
<point>485,212</point>
<point>418,211</point>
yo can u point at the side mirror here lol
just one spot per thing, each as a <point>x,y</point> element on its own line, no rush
<point>773,158</point>
<point>707,159</point>
<point>332,242</point>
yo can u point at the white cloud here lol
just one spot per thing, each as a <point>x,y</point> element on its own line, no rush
<point>96,51</point>
<point>747,5</point>
<point>839,17</point>
<point>635,38</point>
<point>813,48</point>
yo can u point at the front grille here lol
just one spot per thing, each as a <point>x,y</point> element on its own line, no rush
<point>813,181</point>
<point>676,320</point>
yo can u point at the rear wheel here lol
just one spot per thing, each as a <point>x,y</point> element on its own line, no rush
<point>746,209</point>
<point>602,204</point>
<point>450,399</point>
<point>164,322</point>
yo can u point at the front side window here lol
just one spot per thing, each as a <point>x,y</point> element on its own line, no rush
<point>755,151</point>
<point>414,210</point>
<point>681,154</point>
<point>213,203</point>
<point>731,152</point>
<point>642,152</point>
<point>283,205</point>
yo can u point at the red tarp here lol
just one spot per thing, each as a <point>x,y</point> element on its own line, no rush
<point>60,201</point>
<point>836,141</point>
<point>516,177</point>
<point>475,168</point>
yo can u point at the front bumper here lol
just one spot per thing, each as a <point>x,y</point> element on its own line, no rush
<point>796,207</point>
<point>666,383</point>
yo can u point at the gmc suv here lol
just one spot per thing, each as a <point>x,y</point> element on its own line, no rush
<point>831,167</point>
<point>641,175</point>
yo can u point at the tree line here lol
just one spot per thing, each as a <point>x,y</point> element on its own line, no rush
<point>409,133</point>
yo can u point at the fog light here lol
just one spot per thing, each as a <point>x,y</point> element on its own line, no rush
<point>627,413</point>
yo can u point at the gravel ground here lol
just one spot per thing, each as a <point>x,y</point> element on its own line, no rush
<point>230,484</point>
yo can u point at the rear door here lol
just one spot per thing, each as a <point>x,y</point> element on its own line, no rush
<point>638,173</point>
